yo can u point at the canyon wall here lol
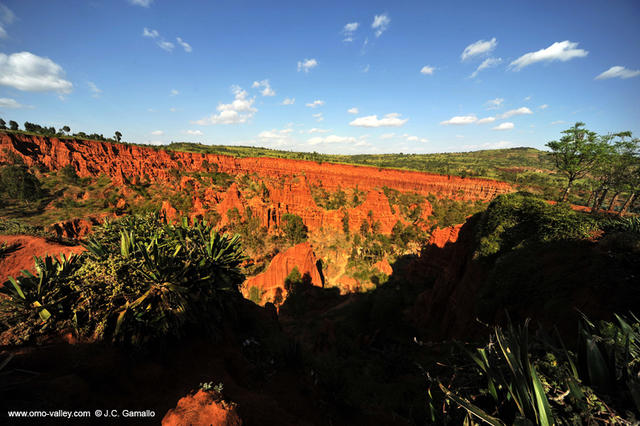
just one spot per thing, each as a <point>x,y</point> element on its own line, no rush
<point>121,162</point>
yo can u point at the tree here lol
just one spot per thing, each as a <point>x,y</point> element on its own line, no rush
<point>66,129</point>
<point>575,154</point>
<point>3,124</point>
<point>118,136</point>
<point>17,183</point>
<point>13,125</point>
<point>295,231</point>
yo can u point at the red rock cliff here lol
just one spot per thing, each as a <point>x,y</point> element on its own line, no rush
<point>120,162</point>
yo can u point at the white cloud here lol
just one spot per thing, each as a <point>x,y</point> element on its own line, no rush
<point>331,139</point>
<point>519,111</point>
<point>307,65</point>
<point>174,92</point>
<point>366,68</point>
<point>146,32</point>
<point>143,3</point>
<point>490,145</point>
<point>543,106</point>
<point>12,104</point>
<point>389,120</point>
<point>318,116</point>
<point>387,136</point>
<point>380,24</point>
<point>558,122</point>
<point>94,89</point>
<point>194,132</point>
<point>504,126</point>
<point>486,120</point>
<point>186,46</point>
<point>316,130</point>
<point>157,133</point>
<point>239,111</point>
<point>494,103</point>
<point>427,70</point>
<point>172,109</point>
<point>315,103</point>
<point>289,101</point>
<point>348,31</point>
<point>353,110</point>
<point>487,63</point>
<point>480,47</point>
<point>460,120</point>
<point>266,87</point>
<point>558,51</point>
<point>6,18</point>
<point>618,72</point>
<point>528,98</point>
<point>412,138</point>
<point>165,45</point>
<point>276,137</point>
<point>26,71</point>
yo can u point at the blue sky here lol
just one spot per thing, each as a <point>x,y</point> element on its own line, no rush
<point>335,77</point>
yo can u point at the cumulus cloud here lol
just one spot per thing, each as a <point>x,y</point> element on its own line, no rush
<point>386,136</point>
<point>504,126</point>
<point>316,130</point>
<point>486,120</point>
<point>289,101</point>
<point>480,47</point>
<point>318,116</point>
<point>380,24</point>
<point>353,110</point>
<point>146,32</point>
<point>494,103</point>
<point>186,46</point>
<point>427,70</point>
<point>143,3</point>
<point>558,51</point>
<point>12,104</point>
<point>307,65</point>
<point>94,89</point>
<point>543,106</point>
<point>315,103</point>
<point>490,145</point>
<point>194,132</point>
<point>166,45</point>
<point>487,63</point>
<point>276,137</point>
<point>28,72</point>
<point>460,120</point>
<point>6,18</point>
<point>618,72</point>
<point>157,133</point>
<point>266,87</point>
<point>389,120</point>
<point>519,111</point>
<point>348,31</point>
<point>239,111</point>
<point>331,139</point>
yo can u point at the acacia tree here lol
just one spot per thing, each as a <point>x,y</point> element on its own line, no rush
<point>118,136</point>
<point>13,125</point>
<point>575,154</point>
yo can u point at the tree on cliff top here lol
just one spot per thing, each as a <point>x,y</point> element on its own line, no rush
<point>3,124</point>
<point>118,136</point>
<point>575,154</point>
<point>13,125</point>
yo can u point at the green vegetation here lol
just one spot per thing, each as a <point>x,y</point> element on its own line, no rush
<point>295,231</point>
<point>18,183</point>
<point>140,282</point>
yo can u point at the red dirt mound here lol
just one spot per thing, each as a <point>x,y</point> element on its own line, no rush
<point>202,408</point>
<point>22,257</point>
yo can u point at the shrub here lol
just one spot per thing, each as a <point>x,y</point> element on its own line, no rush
<point>295,231</point>
<point>141,281</point>
<point>16,182</point>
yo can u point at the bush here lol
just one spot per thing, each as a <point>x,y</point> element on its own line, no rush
<point>515,220</point>
<point>141,281</point>
<point>295,231</point>
<point>16,182</point>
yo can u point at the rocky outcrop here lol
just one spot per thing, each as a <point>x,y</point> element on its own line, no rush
<point>202,408</point>
<point>271,282</point>
<point>123,162</point>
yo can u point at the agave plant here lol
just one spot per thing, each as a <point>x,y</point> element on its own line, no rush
<point>43,293</point>
<point>511,377</point>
